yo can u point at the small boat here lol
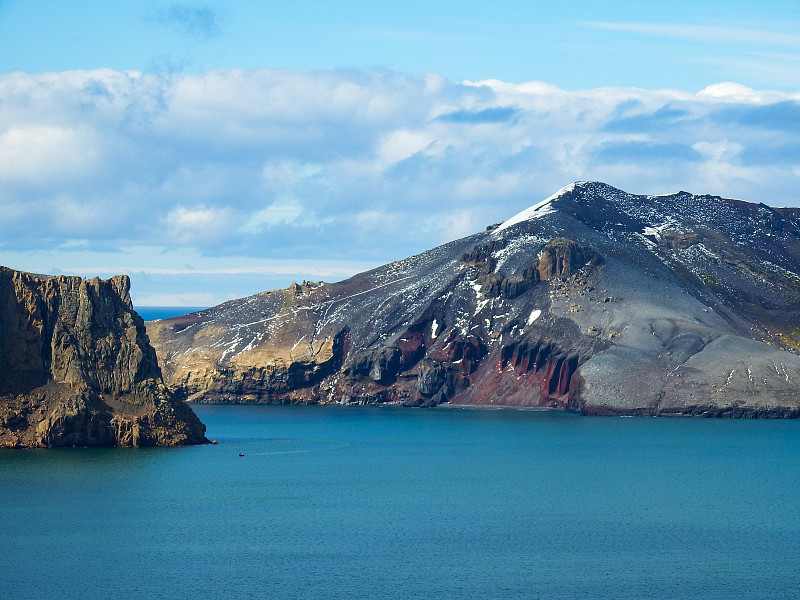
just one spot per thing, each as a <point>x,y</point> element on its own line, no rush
<point>241,453</point>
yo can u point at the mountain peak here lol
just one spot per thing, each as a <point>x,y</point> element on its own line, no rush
<point>587,189</point>
<point>593,299</point>
<point>537,210</point>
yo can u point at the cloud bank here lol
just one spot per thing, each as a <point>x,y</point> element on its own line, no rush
<point>359,167</point>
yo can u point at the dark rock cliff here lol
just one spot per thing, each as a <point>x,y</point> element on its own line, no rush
<point>594,300</point>
<point>78,369</point>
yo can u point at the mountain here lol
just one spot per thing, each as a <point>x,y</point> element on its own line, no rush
<point>78,370</point>
<point>594,300</point>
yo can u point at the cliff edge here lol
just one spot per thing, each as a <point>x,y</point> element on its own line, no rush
<point>78,369</point>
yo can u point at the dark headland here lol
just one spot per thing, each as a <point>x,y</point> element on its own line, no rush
<point>77,368</point>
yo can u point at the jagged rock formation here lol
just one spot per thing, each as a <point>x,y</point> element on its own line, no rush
<point>594,300</point>
<point>78,368</point>
<point>562,258</point>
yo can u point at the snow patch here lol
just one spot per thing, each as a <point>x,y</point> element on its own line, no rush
<point>434,329</point>
<point>527,243</point>
<point>534,315</point>
<point>537,210</point>
<point>656,230</point>
<point>297,343</point>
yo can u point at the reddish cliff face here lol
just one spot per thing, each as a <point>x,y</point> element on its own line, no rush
<point>294,354</point>
<point>78,368</point>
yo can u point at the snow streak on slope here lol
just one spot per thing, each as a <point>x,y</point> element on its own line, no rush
<point>537,210</point>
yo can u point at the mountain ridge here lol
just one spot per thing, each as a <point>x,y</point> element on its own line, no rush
<point>592,300</point>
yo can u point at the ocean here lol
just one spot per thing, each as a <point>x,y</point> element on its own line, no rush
<point>333,502</point>
<point>151,313</point>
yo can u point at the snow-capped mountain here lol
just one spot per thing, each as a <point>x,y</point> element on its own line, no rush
<point>593,300</point>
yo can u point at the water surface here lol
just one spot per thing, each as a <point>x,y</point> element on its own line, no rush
<point>340,502</point>
<point>151,313</point>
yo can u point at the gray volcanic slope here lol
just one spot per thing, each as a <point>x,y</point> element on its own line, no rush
<point>593,300</point>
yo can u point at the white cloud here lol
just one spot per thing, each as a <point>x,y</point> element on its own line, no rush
<point>349,165</point>
<point>198,226</point>
<point>179,299</point>
<point>282,212</point>
<point>732,92</point>
<point>719,151</point>
<point>457,224</point>
<point>401,144</point>
<point>47,153</point>
<point>288,268</point>
<point>371,219</point>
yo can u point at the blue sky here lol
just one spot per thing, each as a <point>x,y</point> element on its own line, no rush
<point>213,150</point>
<point>571,44</point>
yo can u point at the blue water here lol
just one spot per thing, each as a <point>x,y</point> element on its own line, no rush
<point>339,502</point>
<point>151,313</point>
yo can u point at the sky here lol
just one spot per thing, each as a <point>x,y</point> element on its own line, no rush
<point>215,150</point>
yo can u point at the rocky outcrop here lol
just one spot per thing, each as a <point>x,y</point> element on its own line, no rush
<point>382,365</point>
<point>562,258</point>
<point>678,240</point>
<point>210,361</point>
<point>78,368</point>
<point>495,284</point>
<point>595,301</point>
